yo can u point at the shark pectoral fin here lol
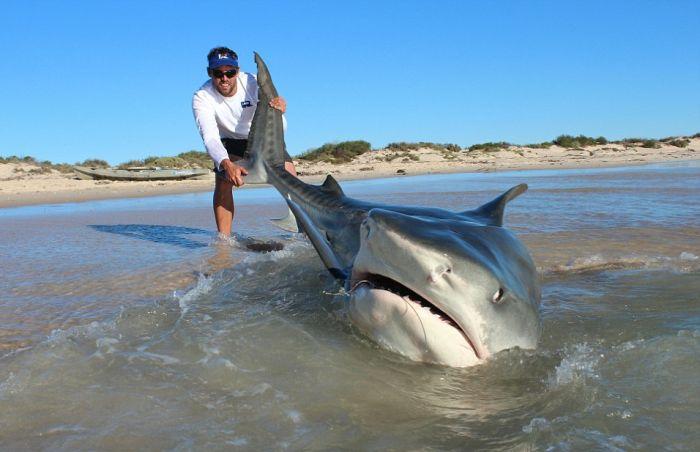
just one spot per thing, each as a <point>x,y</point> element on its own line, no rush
<point>288,222</point>
<point>330,260</point>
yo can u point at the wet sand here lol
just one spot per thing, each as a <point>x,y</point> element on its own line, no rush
<point>20,185</point>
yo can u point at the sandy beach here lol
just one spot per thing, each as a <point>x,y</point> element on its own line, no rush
<point>20,185</point>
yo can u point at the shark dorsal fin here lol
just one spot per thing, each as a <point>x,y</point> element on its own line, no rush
<point>332,186</point>
<point>493,210</point>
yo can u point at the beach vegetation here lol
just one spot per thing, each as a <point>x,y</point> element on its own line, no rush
<point>93,163</point>
<point>403,146</point>
<point>543,145</point>
<point>166,162</point>
<point>392,156</point>
<point>40,170</point>
<point>569,141</point>
<point>130,164</point>
<point>189,159</point>
<point>697,135</point>
<point>404,156</point>
<point>63,168</point>
<point>676,141</point>
<point>16,159</point>
<point>196,159</point>
<point>641,142</point>
<point>336,153</point>
<point>679,142</point>
<point>490,146</point>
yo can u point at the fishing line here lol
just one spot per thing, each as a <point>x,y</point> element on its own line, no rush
<point>425,335</point>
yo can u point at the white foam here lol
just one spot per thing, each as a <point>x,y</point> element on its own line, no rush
<point>106,344</point>
<point>538,424</point>
<point>630,345</point>
<point>685,256</point>
<point>238,442</point>
<point>295,416</point>
<point>93,330</point>
<point>11,385</point>
<point>163,359</point>
<point>579,365</point>
<point>204,285</point>
<point>598,262</point>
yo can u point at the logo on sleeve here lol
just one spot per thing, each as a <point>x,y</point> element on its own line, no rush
<point>246,103</point>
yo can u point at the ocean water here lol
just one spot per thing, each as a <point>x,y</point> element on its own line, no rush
<point>127,325</point>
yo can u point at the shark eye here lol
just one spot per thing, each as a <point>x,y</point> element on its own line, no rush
<point>498,296</point>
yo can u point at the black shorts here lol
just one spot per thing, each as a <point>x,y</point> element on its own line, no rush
<point>238,149</point>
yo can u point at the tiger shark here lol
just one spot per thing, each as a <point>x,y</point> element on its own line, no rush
<point>437,286</point>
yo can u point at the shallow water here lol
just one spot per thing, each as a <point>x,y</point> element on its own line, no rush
<point>126,325</point>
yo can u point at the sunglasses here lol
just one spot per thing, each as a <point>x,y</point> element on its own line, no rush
<point>220,74</point>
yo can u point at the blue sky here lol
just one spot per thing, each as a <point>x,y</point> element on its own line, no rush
<point>114,80</point>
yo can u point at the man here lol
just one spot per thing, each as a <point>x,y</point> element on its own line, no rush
<point>223,110</point>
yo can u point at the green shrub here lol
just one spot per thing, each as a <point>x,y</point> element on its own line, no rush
<point>196,159</point>
<point>489,147</point>
<point>149,160</point>
<point>39,170</point>
<point>63,168</point>
<point>15,159</point>
<point>10,159</point>
<point>407,147</point>
<point>131,163</point>
<point>167,162</point>
<point>543,145</point>
<point>335,153</point>
<point>679,142</point>
<point>94,163</point>
<point>568,141</point>
<point>642,142</point>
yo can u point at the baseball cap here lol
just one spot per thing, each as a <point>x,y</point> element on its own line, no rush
<point>222,59</point>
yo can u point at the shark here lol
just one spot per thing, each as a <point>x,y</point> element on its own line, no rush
<point>434,285</point>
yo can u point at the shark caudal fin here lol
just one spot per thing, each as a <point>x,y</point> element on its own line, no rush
<point>493,211</point>
<point>266,138</point>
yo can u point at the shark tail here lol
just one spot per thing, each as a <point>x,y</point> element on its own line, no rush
<point>266,146</point>
<point>493,210</point>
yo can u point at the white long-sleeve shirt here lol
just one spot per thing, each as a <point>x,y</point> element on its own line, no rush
<point>220,117</point>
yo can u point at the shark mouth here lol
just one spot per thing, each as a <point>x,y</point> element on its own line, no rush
<point>384,283</point>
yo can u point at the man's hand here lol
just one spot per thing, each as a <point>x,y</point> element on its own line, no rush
<point>278,103</point>
<point>234,173</point>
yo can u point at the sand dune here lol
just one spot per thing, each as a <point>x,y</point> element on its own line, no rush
<point>23,184</point>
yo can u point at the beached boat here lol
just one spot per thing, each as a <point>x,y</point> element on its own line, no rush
<point>140,173</point>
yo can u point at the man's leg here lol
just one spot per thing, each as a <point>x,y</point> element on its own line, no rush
<point>223,206</point>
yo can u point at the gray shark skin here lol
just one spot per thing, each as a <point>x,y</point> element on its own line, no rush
<point>450,288</point>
